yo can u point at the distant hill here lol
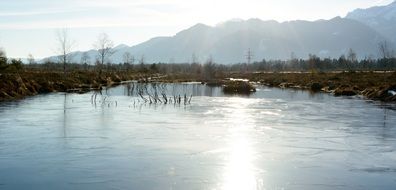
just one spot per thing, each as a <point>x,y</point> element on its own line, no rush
<point>380,18</point>
<point>229,42</point>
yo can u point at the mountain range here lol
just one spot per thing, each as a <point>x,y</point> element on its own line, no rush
<point>380,18</point>
<point>361,30</point>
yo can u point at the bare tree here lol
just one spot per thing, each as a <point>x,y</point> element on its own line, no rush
<point>2,53</point>
<point>352,55</point>
<point>128,58</point>
<point>30,59</point>
<point>3,59</point>
<point>142,65</point>
<point>313,62</point>
<point>104,46</point>
<point>293,60</point>
<point>85,58</point>
<point>385,50</point>
<point>352,59</point>
<point>209,69</point>
<point>195,66</point>
<point>65,46</point>
<point>194,59</point>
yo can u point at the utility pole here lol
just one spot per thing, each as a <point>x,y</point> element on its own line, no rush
<point>249,57</point>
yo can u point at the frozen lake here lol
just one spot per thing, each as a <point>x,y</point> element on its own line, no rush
<point>273,139</point>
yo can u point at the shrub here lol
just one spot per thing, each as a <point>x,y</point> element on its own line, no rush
<point>3,60</point>
<point>238,87</point>
<point>15,66</point>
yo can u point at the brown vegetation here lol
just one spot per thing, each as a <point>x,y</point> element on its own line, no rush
<point>238,87</point>
<point>372,85</point>
<point>19,85</point>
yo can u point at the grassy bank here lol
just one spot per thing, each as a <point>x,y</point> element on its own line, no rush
<point>22,84</point>
<point>372,85</point>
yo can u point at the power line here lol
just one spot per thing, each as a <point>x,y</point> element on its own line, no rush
<point>249,56</point>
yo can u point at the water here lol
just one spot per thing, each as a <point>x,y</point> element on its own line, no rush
<point>273,139</point>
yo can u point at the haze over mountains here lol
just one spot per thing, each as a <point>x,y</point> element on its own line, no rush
<point>380,18</point>
<point>228,42</point>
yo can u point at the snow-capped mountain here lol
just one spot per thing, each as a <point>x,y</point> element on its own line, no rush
<point>380,18</point>
<point>229,42</point>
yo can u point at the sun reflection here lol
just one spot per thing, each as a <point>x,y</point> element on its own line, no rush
<point>239,171</point>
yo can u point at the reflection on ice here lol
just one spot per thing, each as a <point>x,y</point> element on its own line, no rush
<point>272,139</point>
<point>239,172</point>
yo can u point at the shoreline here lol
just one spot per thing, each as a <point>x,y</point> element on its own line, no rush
<point>16,86</point>
<point>371,85</point>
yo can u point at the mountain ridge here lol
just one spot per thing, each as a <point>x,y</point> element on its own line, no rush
<point>380,18</point>
<point>227,42</point>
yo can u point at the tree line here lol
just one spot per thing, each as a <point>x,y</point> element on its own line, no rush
<point>210,68</point>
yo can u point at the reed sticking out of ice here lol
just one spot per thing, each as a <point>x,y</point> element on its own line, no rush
<point>157,93</point>
<point>148,93</point>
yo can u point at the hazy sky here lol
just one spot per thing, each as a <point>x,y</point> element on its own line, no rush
<point>29,26</point>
